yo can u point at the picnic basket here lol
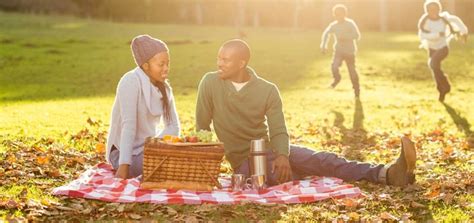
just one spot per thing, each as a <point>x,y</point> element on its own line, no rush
<point>192,166</point>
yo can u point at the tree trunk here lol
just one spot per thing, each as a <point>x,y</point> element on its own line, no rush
<point>240,18</point>
<point>198,12</point>
<point>451,6</point>
<point>383,18</point>
<point>296,14</point>
<point>183,12</point>
<point>326,13</point>
<point>256,19</point>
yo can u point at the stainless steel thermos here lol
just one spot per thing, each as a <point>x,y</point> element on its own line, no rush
<point>258,163</point>
<point>258,168</point>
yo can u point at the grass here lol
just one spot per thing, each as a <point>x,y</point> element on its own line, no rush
<point>56,72</point>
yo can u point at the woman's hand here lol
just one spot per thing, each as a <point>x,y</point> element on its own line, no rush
<point>122,171</point>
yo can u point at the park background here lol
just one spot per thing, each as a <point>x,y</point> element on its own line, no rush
<point>60,62</point>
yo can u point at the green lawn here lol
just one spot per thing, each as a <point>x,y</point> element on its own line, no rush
<point>56,72</point>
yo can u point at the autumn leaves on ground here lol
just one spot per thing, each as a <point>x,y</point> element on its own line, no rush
<point>57,82</point>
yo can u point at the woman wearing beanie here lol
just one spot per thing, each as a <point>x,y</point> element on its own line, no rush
<point>143,99</point>
<point>436,29</point>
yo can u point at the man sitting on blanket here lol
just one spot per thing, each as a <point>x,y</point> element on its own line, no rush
<point>243,106</point>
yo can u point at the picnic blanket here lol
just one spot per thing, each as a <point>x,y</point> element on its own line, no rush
<point>99,183</point>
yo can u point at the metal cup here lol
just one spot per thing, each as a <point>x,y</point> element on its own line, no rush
<point>258,182</point>
<point>238,182</point>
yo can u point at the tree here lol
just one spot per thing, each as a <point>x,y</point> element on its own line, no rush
<point>451,6</point>
<point>298,4</point>
<point>383,19</point>
<point>198,12</point>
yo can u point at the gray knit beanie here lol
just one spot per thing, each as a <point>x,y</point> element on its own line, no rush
<point>144,47</point>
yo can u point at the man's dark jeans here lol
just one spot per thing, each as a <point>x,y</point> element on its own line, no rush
<point>306,162</point>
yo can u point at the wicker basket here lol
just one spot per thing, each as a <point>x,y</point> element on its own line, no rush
<point>193,166</point>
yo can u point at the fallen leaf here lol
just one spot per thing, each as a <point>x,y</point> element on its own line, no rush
<point>135,216</point>
<point>33,204</point>
<point>45,202</point>
<point>448,151</point>
<point>448,198</point>
<point>204,208</point>
<point>405,217</point>
<point>54,173</point>
<point>42,160</point>
<point>387,216</point>
<point>87,211</point>
<point>77,207</point>
<point>92,122</point>
<point>171,211</point>
<point>65,208</point>
<point>432,194</point>
<point>344,217</point>
<point>385,196</point>
<point>11,159</point>
<point>354,216</point>
<point>100,148</point>
<point>348,202</point>
<point>191,219</point>
<point>415,204</point>
<point>80,159</point>
<point>121,208</point>
<point>10,204</point>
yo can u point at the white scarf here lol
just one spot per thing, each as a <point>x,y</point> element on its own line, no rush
<point>151,93</point>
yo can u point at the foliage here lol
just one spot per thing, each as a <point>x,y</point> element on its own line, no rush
<point>57,81</point>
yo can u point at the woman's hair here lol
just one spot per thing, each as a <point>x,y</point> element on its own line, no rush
<point>165,102</point>
<point>164,99</point>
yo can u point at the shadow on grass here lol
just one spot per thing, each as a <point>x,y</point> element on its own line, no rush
<point>460,121</point>
<point>354,139</point>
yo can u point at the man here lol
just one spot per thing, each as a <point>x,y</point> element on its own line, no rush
<point>346,32</point>
<point>242,107</point>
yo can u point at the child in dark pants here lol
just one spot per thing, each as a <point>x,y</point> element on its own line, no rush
<point>346,33</point>
<point>436,29</point>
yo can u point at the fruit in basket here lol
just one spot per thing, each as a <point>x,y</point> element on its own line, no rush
<point>171,139</point>
<point>176,139</point>
<point>167,138</point>
<point>204,136</point>
<point>199,136</point>
<point>192,139</point>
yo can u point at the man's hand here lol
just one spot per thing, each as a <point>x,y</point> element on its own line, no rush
<point>122,171</point>
<point>282,169</point>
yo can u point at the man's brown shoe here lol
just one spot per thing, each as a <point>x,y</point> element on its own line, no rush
<point>401,172</point>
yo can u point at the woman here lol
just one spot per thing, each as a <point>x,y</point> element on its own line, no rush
<point>436,31</point>
<point>143,98</point>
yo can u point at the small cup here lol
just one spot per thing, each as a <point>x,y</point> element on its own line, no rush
<point>238,182</point>
<point>258,182</point>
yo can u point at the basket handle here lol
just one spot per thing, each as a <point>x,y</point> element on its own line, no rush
<point>156,168</point>
<point>209,174</point>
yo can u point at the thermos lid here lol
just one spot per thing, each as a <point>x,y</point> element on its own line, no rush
<point>257,145</point>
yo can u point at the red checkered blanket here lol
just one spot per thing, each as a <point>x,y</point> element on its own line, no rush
<point>99,183</point>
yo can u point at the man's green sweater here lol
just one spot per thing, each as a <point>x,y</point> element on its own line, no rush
<point>238,117</point>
